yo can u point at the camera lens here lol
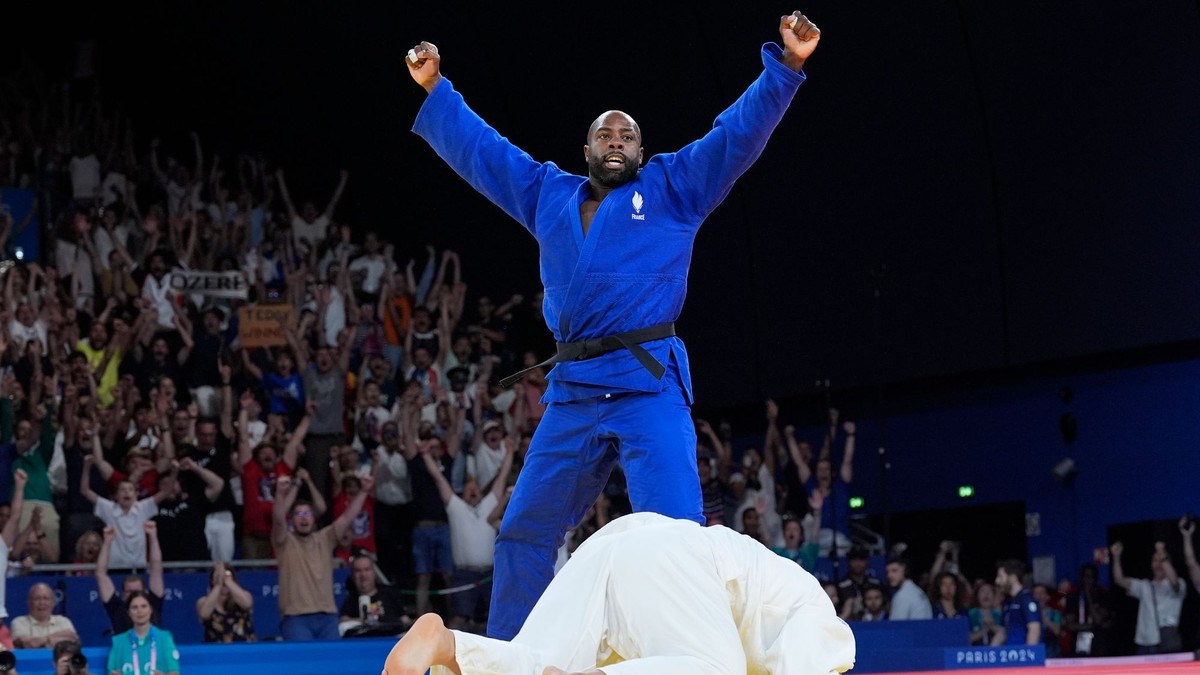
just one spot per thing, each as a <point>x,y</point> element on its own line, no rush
<point>79,661</point>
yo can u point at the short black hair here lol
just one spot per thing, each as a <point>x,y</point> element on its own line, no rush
<point>1012,567</point>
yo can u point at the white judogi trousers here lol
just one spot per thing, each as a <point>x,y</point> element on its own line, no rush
<point>648,594</point>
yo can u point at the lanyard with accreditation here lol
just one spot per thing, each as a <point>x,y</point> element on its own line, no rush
<point>133,642</point>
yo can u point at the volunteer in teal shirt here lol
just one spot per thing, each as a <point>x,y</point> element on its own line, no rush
<point>145,649</point>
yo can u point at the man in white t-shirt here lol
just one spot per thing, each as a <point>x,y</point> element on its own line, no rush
<point>1160,599</point>
<point>474,521</point>
<point>309,227</point>
<point>128,516</point>
<point>26,327</point>
<point>85,175</point>
<point>157,289</point>
<point>372,264</point>
<point>489,453</point>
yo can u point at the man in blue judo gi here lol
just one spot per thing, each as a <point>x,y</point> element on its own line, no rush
<point>615,249</point>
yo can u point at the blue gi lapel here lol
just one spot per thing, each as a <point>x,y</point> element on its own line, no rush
<point>587,248</point>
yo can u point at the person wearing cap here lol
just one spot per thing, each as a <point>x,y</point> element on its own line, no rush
<point>474,520</point>
<point>490,450</point>
<point>859,578</point>
<point>650,594</point>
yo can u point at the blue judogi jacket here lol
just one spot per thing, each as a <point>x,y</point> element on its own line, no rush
<point>630,271</point>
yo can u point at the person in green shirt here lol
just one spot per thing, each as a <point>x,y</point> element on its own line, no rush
<point>800,546</point>
<point>144,649</point>
<point>33,455</point>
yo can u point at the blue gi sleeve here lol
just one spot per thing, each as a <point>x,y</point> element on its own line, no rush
<point>702,173</point>
<point>495,167</point>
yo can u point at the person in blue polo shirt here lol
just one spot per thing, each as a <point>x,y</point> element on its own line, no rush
<point>1022,622</point>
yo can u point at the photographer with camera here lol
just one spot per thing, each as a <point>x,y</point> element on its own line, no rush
<point>68,659</point>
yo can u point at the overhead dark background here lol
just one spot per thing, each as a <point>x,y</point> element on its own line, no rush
<point>1017,183</point>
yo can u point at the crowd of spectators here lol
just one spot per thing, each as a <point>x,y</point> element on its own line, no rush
<point>788,495</point>
<point>142,420</point>
<point>134,398</point>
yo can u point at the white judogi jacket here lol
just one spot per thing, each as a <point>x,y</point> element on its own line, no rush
<point>649,594</point>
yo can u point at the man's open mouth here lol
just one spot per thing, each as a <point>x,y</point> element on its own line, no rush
<point>614,161</point>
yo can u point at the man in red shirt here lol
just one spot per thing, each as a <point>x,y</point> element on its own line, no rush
<point>260,469</point>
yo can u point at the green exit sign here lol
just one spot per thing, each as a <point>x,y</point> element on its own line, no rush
<point>966,491</point>
<point>856,502</point>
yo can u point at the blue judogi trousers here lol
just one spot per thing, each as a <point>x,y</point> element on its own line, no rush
<point>572,453</point>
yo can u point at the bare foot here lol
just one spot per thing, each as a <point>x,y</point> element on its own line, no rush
<point>428,643</point>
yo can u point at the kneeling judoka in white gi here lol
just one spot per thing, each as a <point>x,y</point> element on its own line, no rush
<point>649,594</point>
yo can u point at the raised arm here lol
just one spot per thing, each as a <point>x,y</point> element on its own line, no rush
<point>158,172</point>
<point>85,487</point>
<point>285,495</point>
<point>771,444</point>
<point>154,559</point>
<point>1187,526</point>
<point>226,398</point>
<point>500,482</point>
<point>241,597</point>
<point>337,194</point>
<point>431,466</point>
<point>848,455</point>
<point>291,451</point>
<point>244,451</point>
<point>184,326</point>
<point>318,500</point>
<point>9,533</point>
<point>6,404</point>
<point>198,171</point>
<point>802,468</point>
<point>104,582</point>
<point>344,521</point>
<point>299,349</point>
<point>208,604</point>
<point>251,369</point>
<point>287,198</point>
<point>1118,573</point>
<point>722,450</point>
<point>213,484</point>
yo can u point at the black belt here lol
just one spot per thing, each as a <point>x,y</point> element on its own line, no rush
<point>590,349</point>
